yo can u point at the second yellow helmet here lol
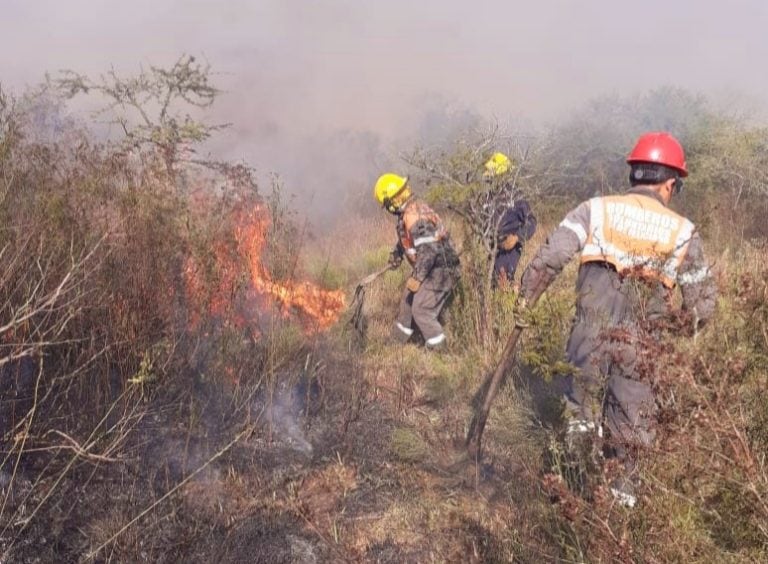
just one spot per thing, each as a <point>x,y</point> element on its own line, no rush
<point>498,164</point>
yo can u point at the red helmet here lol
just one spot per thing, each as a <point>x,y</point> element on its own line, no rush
<point>661,148</point>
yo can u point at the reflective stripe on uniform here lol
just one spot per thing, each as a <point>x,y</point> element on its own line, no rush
<point>681,248</point>
<point>594,243</point>
<point>415,212</point>
<point>577,229</point>
<point>423,240</point>
<point>580,426</point>
<point>408,331</point>
<point>434,341</point>
<point>693,277</point>
<point>596,216</point>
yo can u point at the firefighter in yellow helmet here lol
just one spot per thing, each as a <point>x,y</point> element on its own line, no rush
<point>497,165</point>
<point>424,241</point>
<point>512,220</point>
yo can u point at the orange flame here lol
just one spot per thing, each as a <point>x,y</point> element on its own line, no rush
<point>316,308</point>
<point>323,307</point>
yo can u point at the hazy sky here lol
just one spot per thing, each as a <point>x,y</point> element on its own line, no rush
<point>298,72</point>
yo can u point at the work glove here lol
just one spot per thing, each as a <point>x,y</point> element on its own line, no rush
<point>509,242</point>
<point>413,284</point>
<point>522,313</point>
<point>395,259</point>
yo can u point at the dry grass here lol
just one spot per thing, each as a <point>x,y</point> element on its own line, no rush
<point>129,437</point>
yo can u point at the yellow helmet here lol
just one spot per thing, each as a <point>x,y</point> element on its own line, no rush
<point>498,164</point>
<point>388,186</point>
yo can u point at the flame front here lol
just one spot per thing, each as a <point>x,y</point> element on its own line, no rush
<point>315,308</point>
<point>323,307</point>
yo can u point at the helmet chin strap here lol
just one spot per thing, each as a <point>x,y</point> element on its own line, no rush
<point>394,205</point>
<point>390,205</point>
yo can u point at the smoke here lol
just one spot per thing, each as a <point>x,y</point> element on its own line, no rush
<point>285,420</point>
<point>284,408</point>
<point>327,93</point>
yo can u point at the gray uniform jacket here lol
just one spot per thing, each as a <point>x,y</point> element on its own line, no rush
<point>606,301</point>
<point>424,240</point>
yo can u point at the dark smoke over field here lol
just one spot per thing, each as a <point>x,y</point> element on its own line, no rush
<point>326,93</point>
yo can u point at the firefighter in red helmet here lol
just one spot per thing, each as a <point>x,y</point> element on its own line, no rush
<point>633,250</point>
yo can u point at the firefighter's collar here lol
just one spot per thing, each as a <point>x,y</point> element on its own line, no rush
<point>641,191</point>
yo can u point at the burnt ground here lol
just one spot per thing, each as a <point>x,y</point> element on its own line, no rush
<point>356,464</point>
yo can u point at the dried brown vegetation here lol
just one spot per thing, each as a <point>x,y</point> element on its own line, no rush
<point>141,424</point>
